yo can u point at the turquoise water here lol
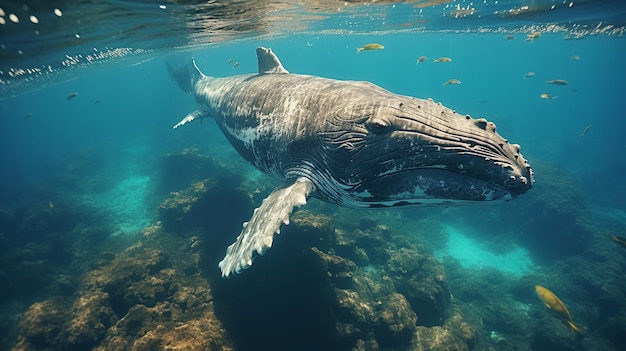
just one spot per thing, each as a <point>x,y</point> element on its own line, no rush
<point>471,254</point>
<point>89,141</point>
<point>47,129</point>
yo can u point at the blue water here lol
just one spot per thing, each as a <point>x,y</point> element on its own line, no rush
<point>138,102</point>
<point>102,150</point>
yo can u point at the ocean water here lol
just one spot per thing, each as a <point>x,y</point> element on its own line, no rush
<point>89,160</point>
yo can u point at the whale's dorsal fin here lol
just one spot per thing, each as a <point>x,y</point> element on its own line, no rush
<point>269,62</point>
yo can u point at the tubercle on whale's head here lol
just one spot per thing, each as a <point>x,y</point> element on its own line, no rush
<point>415,151</point>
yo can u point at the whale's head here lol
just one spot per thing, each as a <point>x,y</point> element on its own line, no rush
<point>401,150</point>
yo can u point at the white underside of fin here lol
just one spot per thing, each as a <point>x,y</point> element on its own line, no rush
<point>197,114</point>
<point>257,235</point>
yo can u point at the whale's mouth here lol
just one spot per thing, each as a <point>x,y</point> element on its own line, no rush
<point>428,186</point>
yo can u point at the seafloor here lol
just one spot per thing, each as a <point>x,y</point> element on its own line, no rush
<point>336,279</point>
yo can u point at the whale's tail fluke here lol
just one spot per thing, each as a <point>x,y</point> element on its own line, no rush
<point>186,75</point>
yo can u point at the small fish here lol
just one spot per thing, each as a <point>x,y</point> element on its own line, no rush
<point>421,59</point>
<point>72,95</point>
<point>529,74</point>
<point>443,59</point>
<point>96,102</point>
<point>575,57</point>
<point>547,96</point>
<point>510,37</point>
<point>230,60</point>
<point>585,132</point>
<point>28,115</point>
<point>460,12</point>
<point>236,64</point>
<point>451,82</point>
<point>369,47</point>
<point>557,82</point>
<point>553,303</point>
<point>532,36</point>
<point>51,205</point>
<point>577,36</point>
<point>620,240</point>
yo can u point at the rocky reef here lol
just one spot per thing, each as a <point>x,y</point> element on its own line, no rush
<point>144,298</point>
<point>342,280</point>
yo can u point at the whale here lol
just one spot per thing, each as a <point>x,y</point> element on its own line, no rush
<point>351,143</point>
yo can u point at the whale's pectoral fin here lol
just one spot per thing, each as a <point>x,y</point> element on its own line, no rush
<point>258,234</point>
<point>197,114</point>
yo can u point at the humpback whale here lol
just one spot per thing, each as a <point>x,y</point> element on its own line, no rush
<point>350,143</point>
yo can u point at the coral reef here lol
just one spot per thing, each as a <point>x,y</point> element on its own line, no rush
<point>39,244</point>
<point>550,220</point>
<point>179,169</point>
<point>342,304</point>
<point>346,280</point>
<point>142,299</point>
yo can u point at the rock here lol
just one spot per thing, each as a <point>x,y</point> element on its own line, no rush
<point>152,289</point>
<point>422,280</point>
<point>352,307</point>
<point>183,210</point>
<point>369,313</point>
<point>456,334</point>
<point>37,219</point>
<point>179,169</point>
<point>135,268</point>
<point>90,318</point>
<point>395,324</point>
<point>211,206</point>
<point>41,325</point>
<point>313,230</point>
<point>365,244</point>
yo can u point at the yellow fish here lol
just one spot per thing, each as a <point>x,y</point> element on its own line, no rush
<point>236,64</point>
<point>452,81</point>
<point>553,303</point>
<point>421,59</point>
<point>533,35</point>
<point>620,240</point>
<point>230,60</point>
<point>51,205</point>
<point>369,47</point>
<point>547,96</point>
<point>443,59</point>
